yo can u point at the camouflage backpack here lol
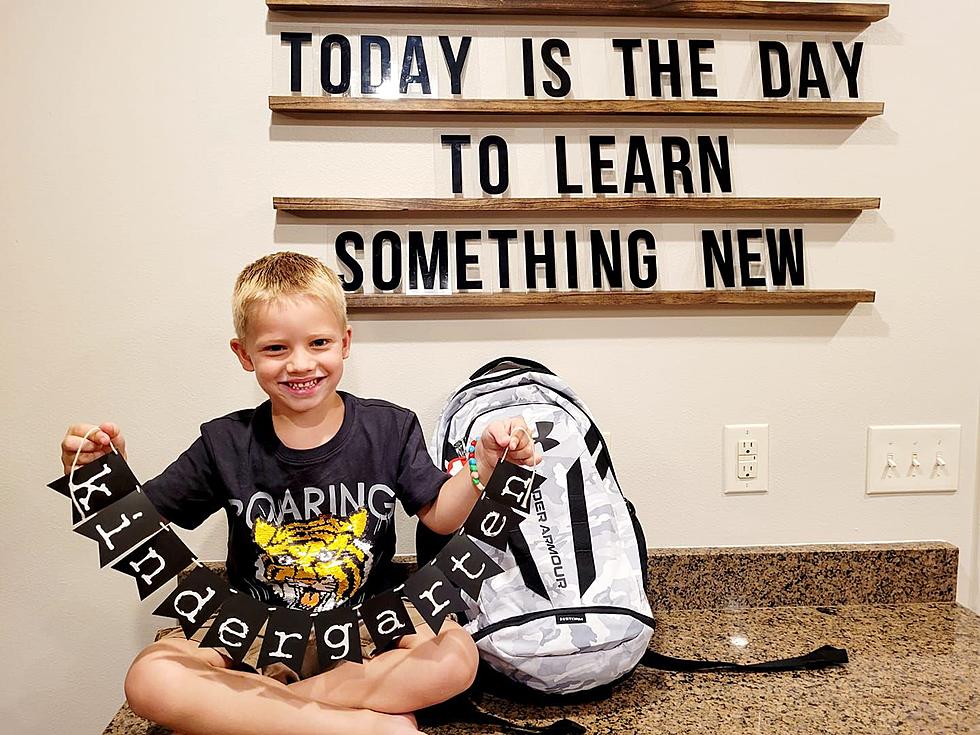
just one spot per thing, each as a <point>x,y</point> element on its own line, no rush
<point>570,611</point>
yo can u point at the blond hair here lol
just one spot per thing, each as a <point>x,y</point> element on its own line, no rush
<point>284,274</point>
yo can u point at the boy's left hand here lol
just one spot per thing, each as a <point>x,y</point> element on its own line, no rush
<point>512,436</point>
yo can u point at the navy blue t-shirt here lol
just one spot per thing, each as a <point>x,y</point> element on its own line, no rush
<point>308,528</point>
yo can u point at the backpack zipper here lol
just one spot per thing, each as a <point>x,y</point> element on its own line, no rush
<point>518,620</point>
<point>489,379</point>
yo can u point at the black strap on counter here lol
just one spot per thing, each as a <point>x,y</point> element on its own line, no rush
<point>818,659</point>
<point>464,709</point>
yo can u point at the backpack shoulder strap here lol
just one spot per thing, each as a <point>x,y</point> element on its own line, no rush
<point>463,708</point>
<point>817,659</point>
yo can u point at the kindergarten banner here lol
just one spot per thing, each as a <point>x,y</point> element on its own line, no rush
<point>109,507</point>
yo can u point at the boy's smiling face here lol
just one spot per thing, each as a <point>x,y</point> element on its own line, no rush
<point>296,347</point>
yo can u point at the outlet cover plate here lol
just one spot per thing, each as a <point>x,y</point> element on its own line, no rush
<point>734,435</point>
<point>927,442</point>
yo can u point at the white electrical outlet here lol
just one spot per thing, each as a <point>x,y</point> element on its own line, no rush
<point>746,458</point>
<point>913,459</point>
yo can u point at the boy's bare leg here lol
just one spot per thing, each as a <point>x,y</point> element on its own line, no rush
<point>425,669</point>
<point>189,689</point>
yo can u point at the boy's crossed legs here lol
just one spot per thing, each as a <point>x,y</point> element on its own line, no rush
<point>176,683</point>
<point>424,669</point>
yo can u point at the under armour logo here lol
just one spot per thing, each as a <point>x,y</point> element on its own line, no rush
<point>543,429</point>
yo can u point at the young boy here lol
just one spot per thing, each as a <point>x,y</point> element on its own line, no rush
<point>308,480</point>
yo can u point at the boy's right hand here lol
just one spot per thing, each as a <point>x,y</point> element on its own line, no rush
<point>97,444</point>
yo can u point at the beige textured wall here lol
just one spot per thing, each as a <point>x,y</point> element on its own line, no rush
<point>138,164</point>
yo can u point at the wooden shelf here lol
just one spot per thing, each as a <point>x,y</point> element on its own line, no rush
<point>338,105</point>
<point>366,303</point>
<point>864,13</point>
<point>619,205</point>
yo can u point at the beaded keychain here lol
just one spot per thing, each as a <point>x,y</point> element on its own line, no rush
<point>471,457</point>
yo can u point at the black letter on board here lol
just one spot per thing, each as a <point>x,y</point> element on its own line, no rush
<point>649,260</point>
<point>382,44</point>
<point>455,64</point>
<point>600,164</point>
<point>455,143</point>
<point>658,69</point>
<point>781,259</point>
<point>810,59</point>
<point>628,46</point>
<point>606,261</point>
<point>682,165</point>
<point>464,259</point>
<point>414,51</point>
<point>503,171</point>
<point>571,259</point>
<point>746,257</point>
<point>637,154</point>
<point>356,279</point>
<point>564,85</point>
<point>436,265</point>
<point>714,161</point>
<point>377,260</point>
<point>561,164</point>
<point>713,255</point>
<point>700,68</point>
<point>503,238</point>
<point>532,259</point>
<point>527,58</point>
<point>296,41</point>
<point>850,66</point>
<point>326,50</point>
<point>766,50</point>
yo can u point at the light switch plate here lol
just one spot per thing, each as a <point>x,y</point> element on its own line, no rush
<point>936,448</point>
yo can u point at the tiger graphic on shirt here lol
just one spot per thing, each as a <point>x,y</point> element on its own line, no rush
<point>314,565</point>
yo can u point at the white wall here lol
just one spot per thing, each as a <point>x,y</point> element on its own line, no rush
<point>138,166</point>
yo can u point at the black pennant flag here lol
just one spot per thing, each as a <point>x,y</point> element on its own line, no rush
<point>195,600</point>
<point>121,526</point>
<point>492,522</point>
<point>286,638</point>
<point>155,562</point>
<point>386,619</point>
<point>236,625</point>
<point>434,596</point>
<point>466,565</point>
<point>96,485</point>
<point>337,637</point>
<point>512,486</point>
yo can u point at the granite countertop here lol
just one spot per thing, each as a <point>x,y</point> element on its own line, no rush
<point>914,662</point>
<point>913,669</point>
